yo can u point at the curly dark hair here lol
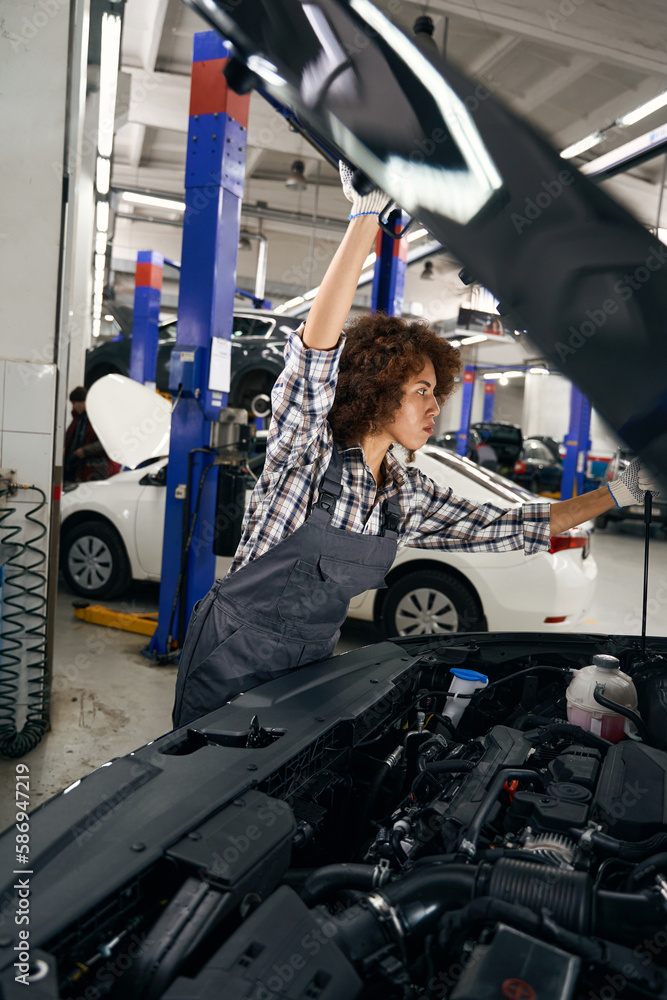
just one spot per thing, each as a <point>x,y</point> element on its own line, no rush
<point>381,354</point>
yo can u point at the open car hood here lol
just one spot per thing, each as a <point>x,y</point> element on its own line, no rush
<point>132,421</point>
<point>584,278</point>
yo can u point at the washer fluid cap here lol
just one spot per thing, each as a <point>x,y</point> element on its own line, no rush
<point>468,675</point>
<point>606,662</point>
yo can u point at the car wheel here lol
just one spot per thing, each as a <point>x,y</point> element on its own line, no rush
<point>253,393</point>
<point>430,603</point>
<point>94,561</point>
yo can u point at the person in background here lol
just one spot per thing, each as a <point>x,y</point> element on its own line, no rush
<point>85,458</point>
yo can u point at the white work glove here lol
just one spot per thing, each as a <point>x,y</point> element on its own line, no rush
<point>369,204</point>
<point>631,487</point>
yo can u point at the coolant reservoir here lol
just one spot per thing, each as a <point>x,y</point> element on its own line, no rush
<point>582,708</point>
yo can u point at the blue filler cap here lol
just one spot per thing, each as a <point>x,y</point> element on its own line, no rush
<point>468,675</point>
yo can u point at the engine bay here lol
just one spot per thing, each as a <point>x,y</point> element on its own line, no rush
<point>333,834</point>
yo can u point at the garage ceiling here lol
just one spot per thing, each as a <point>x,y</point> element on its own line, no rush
<point>570,66</point>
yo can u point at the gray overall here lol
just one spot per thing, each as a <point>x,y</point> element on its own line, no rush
<point>282,609</point>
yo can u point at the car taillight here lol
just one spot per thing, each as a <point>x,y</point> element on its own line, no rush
<point>560,542</point>
<point>519,468</point>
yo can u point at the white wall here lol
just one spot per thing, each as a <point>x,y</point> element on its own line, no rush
<point>33,83</point>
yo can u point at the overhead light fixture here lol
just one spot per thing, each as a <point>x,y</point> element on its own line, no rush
<point>417,235</point>
<point>296,301</point>
<point>108,318</point>
<point>109,63</point>
<point>477,339</point>
<point>427,274</point>
<point>423,31</point>
<point>513,374</point>
<point>490,375</point>
<point>455,343</point>
<point>644,110</point>
<point>370,260</point>
<point>503,380</point>
<point>153,201</point>
<point>311,294</point>
<point>102,216</point>
<point>576,148</point>
<point>103,175</point>
<point>100,243</point>
<point>538,371</point>
<point>295,179</point>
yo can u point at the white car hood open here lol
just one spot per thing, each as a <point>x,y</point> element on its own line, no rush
<point>132,421</point>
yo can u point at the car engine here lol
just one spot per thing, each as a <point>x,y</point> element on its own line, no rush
<point>334,835</point>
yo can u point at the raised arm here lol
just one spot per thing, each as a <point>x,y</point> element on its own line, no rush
<point>336,293</point>
<point>339,285</point>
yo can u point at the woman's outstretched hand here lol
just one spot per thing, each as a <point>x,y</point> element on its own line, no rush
<point>368,204</point>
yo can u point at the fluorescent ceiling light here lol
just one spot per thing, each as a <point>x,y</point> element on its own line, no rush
<point>643,110</point>
<point>538,371</point>
<point>455,343</point>
<point>291,303</point>
<point>477,339</point>
<point>102,216</point>
<point>492,374</point>
<point>109,60</point>
<point>108,318</point>
<point>311,294</point>
<point>417,235</point>
<point>103,175</point>
<point>369,261</point>
<point>503,380</point>
<point>100,243</point>
<point>513,374</point>
<point>150,200</point>
<point>582,145</point>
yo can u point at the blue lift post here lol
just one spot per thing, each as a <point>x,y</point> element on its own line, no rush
<point>577,445</point>
<point>391,261</point>
<point>146,316</point>
<point>489,400</point>
<point>214,174</point>
<point>466,410</point>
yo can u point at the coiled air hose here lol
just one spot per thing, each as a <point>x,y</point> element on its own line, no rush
<point>23,633</point>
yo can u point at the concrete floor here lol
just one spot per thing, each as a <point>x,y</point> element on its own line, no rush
<point>108,699</point>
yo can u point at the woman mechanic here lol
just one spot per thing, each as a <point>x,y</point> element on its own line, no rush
<point>333,502</point>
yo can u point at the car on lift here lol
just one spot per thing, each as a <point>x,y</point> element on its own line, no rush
<point>505,439</point>
<point>111,534</point>
<point>258,341</point>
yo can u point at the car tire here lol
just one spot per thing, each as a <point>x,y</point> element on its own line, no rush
<point>430,603</point>
<point>253,386</point>
<point>94,561</point>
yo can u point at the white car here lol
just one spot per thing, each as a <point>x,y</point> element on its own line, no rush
<point>112,533</point>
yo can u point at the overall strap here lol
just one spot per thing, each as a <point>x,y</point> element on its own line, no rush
<point>331,486</point>
<point>391,516</point>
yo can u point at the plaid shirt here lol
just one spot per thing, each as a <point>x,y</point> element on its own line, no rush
<point>297,455</point>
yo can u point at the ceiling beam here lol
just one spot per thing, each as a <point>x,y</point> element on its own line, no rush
<point>554,82</point>
<point>489,56</point>
<point>609,32</point>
